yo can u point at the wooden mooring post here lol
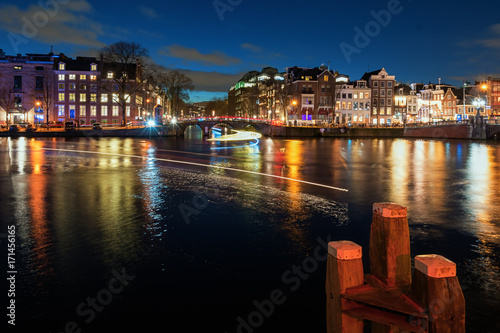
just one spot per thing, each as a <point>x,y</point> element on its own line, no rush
<point>390,298</point>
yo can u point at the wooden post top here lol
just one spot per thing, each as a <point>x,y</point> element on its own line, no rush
<point>345,250</point>
<point>435,266</point>
<point>389,209</point>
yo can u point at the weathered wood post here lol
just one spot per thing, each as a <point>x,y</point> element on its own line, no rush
<point>390,260</point>
<point>435,285</point>
<point>344,270</point>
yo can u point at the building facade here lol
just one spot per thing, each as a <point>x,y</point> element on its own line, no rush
<point>382,85</point>
<point>24,84</point>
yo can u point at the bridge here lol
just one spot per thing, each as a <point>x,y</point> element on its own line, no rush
<point>206,124</point>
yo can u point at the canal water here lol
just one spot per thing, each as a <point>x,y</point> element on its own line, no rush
<point>122,235</point>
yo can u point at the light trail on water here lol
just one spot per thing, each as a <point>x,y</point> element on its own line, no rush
<point>197,164</point>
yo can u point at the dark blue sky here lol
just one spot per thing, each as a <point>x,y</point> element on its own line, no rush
<point>215,42</point>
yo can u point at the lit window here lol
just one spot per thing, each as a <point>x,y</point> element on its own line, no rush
<point>326,78</point>
<point>115,110</point>
<point>83,97</point>
<point>62,66</point>
<point>72,86</point>
<point>104,98</point>
<point>93,97</point>
<point>83,86</point>
<point>104,110</point>
<point>61,77</point>
<point>83,110</point>
<point>61,97</point>
<point>115,98</point>
<point>93,67</point>
<point>127,111</point>
<point>93,110</point>
<point>72,97</point>
<point>72,77</point>
<point>18,68</point>
<point>110,75</point>
<point>60,110</point>
<point>83,77</point>
<point>93,77</point>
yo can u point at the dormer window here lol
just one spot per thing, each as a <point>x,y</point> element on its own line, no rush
<point>110,75</point>
<point>93,67</point>
<point>62,66</point>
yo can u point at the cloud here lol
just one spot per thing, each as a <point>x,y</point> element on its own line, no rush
<point>191,54</point>
<point>149,12</point>
<point>211,81</point>
<point>490,43</point>
<point>251,47</point>
<point>61,23</point>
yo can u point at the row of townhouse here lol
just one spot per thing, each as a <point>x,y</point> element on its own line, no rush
<point>45,88</point>
<point>318,95</point>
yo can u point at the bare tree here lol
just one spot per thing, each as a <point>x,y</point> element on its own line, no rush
<point>176,86</point>
<point>6,95</point>
<point>124,61</point>
<point>217,105</point>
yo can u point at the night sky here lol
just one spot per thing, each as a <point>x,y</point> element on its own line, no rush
<point>215,42</point>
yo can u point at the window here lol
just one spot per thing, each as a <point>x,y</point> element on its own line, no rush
<point>367,95</point>
<point>104,110</point>
<point>115,110</point>
<point>375,92</point>
<point>382,93</point>
<point>72,77</point>
<point>83,86</point>
<point>326,78</point>
<point>39,82</point>
<point>115,98</point>
<point>72,113</point>
<point>62,66</point>
<point>93,67</point>
<point>18,82</point>
<point>72,98</point>
<point>60,110</point>
<point>382,102</point>
<point>104,98</point>
<point>389,102</point>
<point>72,86</point>
<point>93,97</point>
<point>83,77</point>
<point>61,77</point>
<point>374,111</point>
<point>110,75</point>
<point>361,105</point>
<point>39,68</point>
<point>355,95</point>
<point>367,106</point>
<point>382,84</point>
<point>93,77</point>
<point>127,108</point>
<point>375,83</point>
<point>389,84</point>
<point>389,111</point>
<point>18,68</point>
<point>83,97</point>
<point>93,110</point>
<point>83,110</point>
<point>382,111</point>
<point>60,86</point>
<point>61,97</point>
<point>323,88</point>
<point>389,92</point>
<point>344,106</point>
<point>355,105</point>
<point>349,105</point>
<point>349,96</point>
